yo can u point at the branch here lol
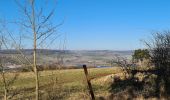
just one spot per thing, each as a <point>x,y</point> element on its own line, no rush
<point>48,31</point>
<point>24,9</point>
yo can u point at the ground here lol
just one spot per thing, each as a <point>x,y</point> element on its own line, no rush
<point>70,84</point>
<point>67,84</point>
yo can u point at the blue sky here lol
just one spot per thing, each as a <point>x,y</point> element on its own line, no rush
<point>105,24</point>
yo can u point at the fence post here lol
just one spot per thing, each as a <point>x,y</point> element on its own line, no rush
<point>88,82</point>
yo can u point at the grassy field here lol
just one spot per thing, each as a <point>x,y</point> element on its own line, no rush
<point>61,84</point>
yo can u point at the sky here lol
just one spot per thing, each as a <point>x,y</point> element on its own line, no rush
<point>104,24</point>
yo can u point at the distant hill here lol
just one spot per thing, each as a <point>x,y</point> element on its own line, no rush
<point>72,57</point>
<point>29,51</point>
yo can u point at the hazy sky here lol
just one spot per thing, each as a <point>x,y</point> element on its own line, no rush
<point>105,24</point>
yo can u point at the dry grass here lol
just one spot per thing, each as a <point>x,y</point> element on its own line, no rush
<point>68,83</point>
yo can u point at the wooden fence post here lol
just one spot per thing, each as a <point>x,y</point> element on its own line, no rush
<point>88,82</point>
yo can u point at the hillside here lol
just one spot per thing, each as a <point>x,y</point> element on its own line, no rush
<point>70,57</point>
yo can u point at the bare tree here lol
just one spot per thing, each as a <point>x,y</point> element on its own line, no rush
<point>37,28</point>
<point>123,63</point>
<point>38,22</point>
<point>2,72</point>
<point>159,46</point>
<point>7,82</point>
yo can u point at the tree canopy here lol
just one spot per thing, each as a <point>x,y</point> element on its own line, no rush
<point>141,54</point>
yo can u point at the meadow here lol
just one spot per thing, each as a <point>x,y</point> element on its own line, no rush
<point>60,84</point>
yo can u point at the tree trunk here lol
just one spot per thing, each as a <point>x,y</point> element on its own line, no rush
<point>5,86</point>
<point>34,54</point>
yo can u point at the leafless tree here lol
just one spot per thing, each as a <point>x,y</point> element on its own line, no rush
<point>7,82</point>
<point>159,46</point>
<point>2,73</point>
<point>123,63</point>
<point>37,28</point>
<point>38,22</point>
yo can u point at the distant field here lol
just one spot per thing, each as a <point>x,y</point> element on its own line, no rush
<point>71,57</point>
<point>70,82</point>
